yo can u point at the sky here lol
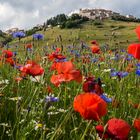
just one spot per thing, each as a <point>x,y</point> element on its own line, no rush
<point>25,14</point>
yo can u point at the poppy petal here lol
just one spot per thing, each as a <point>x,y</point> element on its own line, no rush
<point>137,124</point>
<point>90,106</point>
<point>134,49</point>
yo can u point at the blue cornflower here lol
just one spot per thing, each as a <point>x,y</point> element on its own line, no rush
<point>138,72</point>
<point>19,34</point>
<point>115,58</point>
<point>51,99</point>
<point>29,49</point>
<point>94,60</point>
<point>72,51</point>
<point>138,66</point>
<point>122,74</point>
<point>123,50</point>
<point>84,45</point>
<point>61,60</point>
<point>14,53</point>
<point>17,67</point>
<point>105,98</point>
<point>77,54</point>
<point>113,74</point>
<point>129,57</point>
<point>38,36</point>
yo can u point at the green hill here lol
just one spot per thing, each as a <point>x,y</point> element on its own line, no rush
<point>109,32</point>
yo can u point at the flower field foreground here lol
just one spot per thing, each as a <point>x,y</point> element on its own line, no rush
<point>72,92</point>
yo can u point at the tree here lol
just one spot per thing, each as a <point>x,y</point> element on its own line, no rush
<point>57,20</point>
<point>75,17</point>
<point>61,18</point>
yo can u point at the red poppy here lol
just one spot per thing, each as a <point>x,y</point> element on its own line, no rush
<point>66,72</point>
<point>117,129</point>
<point>137,124</point>
<point>98,89</point>
<point>32,68</point>
<point>90,106</point>
<point>23,75</point>
<point>102,133</point>
<point>18,79</point>
<point>29,46</point>
<point>136,106</point>
<point>90,85</point>
<point>66,77</point>
<point>7,53</point>
<point>35,70</point>
<point>64,67</point>
<point>138,32</point>
<point>74,75</point>
<point>49,89</point>
<point>94,42</point>
<point>24,68</point>
<point>57,79</point>
<point>58,50</point>
<point>55,55</point>
<point>95,49</point>
<point>134,49</point>
<point>10,61</point>
<point>31,62</point>
<point>101,59</point>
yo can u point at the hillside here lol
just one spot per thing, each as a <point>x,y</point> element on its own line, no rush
<point>114,32</point>
<point>4,38</point>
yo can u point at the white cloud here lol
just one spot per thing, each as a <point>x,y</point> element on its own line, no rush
<point>7,13</point>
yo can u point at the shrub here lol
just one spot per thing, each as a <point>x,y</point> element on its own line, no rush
<point>32,31</point>
<point>121,27</point>
<point>123,18</point>
<point>73,24</point>
<point>112,26</point>
<point>97,22</point>
<point>100,26</point>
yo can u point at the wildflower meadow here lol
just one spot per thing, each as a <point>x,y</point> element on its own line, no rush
<point>74,87</point>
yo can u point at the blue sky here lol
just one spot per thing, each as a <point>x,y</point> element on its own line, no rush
<point>27,13</point>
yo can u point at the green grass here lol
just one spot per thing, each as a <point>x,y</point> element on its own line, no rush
<point>19,118</point>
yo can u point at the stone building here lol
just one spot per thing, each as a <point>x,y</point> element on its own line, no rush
<point>12,30</point>
<point>97,13</point>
